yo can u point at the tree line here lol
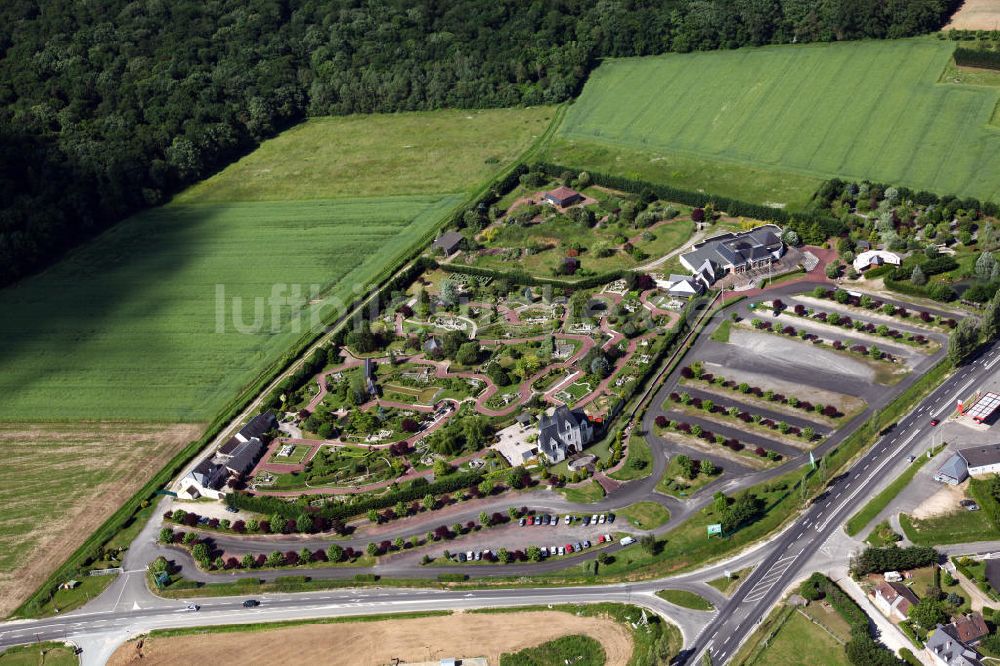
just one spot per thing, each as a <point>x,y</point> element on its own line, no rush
<point>107,108</point>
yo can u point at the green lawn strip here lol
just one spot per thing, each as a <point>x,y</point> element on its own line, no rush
<point>644,515</point>
<point>794,640</point>
<point>48,653</point>
<point>638,461</point>
<point>675,483</point>
<point>268,626</point>
<point>728,585</point>
<point>868,512</point>
<point>654,643</point>
<point>61,601</point>
<point>577,650</point>
<point>589,492</point>
<point>882,535</point>
<point>686,599</point>
<point>959,526</point>
<point>124,515</point>
<point>721,333</point>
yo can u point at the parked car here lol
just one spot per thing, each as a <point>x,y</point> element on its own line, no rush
<point>460,557</point>
<point>562,550</point>
<point>578,546</point>
<point>232,509</point>
<point>600,539</point>
<point>611,517</point>
<point>607,538</point>
<point>586,544</point>
<point>969,505</point>
<point>603,518</point>
<point>627,541</point>
<point>469,555</point>
<point>593,519</point>
<point>521,522</point>
<point>586,521</point>
<point>251,603</point>
<point>479,555</point>
<point>569,548</point>
<point>568,519</point>
<point>531,520</point>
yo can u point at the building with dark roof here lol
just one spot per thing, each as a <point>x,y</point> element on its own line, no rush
<point>736,252</point>
<point>206,479</point>
<point>970,628</point>
<point>448,242</point>
<point>368,375</point>
<point>257,426</point>
<point>563,196</point>
<point>982,459</point>
<point>945,649</point>
<point>245,457</point>
<point>894,600</point>
<point>563,433</point>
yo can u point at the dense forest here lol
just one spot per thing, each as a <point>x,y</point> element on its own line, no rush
<point>108,107</point>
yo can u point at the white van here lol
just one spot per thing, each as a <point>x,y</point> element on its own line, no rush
<point>627,541</point>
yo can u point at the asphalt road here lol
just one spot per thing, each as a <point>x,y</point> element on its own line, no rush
<point>762,589</point>
<point>128,608</point>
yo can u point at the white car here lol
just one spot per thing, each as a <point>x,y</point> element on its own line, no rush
<point>593,519</point>
<point>562,550</point>
<point>603,518</point>
<point>470,556</point>
<point>567,520</point>
<point>627,541</point>
<point>192,607</point>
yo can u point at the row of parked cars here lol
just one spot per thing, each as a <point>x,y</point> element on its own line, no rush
<point>547,551</point>
<point>546,519</point>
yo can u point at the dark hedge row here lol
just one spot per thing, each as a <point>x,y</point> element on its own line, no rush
<point>521,277</point>
<point>342,511</point>
<point>977,58</point>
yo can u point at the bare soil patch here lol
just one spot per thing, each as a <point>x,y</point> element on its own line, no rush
<point>942,502</point>
<point>374,643</point>
<point>61,481</point>
<point>976,15</point>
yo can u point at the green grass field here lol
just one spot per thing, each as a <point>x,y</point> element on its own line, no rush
<point>858,110</point>
<point>644,515</point>
<point>128,327</point>
<point>579,650</point>
<point>377,155</point>
<point>686,599</point>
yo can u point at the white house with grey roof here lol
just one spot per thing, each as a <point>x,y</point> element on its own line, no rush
<point>973,461</point>
<point>736,252</point>
<point>563,433</point>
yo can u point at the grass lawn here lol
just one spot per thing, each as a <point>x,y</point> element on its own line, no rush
<point>39,654</point>
<point>728,585</point>
<point>647,104</point>
<point>589,492</point>
<point>882,535</point>
<point>578,650</point>
<point>788,640</point>
<point>645,515</point>
<point>377,155</point>
<point>867,513</point>
<point>675,483</point>
<point>721,334</point>
<point>957,527</point>
<point>297,455</point>
<point>638,461</point>
<point>685,599</point>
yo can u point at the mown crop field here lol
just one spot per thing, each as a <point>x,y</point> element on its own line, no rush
<point>376,155</point>
<point>857,110</point>
<point>168,315</point>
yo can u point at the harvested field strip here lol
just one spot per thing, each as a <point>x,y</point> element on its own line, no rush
<point>348,644</point>
<point>60,482</point>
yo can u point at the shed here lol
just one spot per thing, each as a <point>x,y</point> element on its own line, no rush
<point>448,242</point>
<point>563,196</point>
<point>954,470</point>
